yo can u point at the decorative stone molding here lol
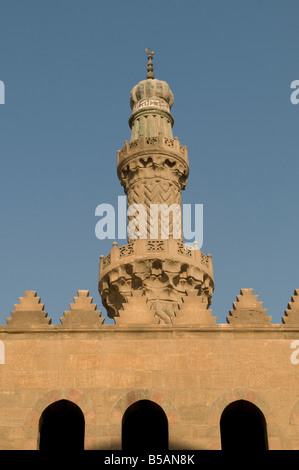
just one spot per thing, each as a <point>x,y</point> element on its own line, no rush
<point>194,311</point>
<point>29,313</point>
<point>154,170</point>
<point>292,313</point>
<point>163,270</point>
<point>83,313</point>
<point>248,310</point>
<point>156,145</point>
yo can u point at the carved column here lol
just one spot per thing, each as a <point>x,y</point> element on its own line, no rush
<point>154,170</point>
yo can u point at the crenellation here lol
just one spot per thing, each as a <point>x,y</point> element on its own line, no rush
<point>292,313</point>
<point>136,311</point>
<point>83,313</point>
<point>194,311</point>
<point>29,313</point>
<point>248,310</point>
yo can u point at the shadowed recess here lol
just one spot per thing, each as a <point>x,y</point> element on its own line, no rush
<point>144,427</point>
<point>61,427</point>
<point>243,427</point>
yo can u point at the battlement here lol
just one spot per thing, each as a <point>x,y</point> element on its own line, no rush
<point>192,314</point>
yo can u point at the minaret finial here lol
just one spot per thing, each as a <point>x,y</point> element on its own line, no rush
<point>150,66</point>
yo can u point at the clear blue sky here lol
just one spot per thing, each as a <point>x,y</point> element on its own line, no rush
<point>68,68</point>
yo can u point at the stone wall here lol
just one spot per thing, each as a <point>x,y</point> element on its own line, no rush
<point>193,373</point>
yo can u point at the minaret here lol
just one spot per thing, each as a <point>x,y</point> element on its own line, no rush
<point>155,267</point>
<point>153,167</point>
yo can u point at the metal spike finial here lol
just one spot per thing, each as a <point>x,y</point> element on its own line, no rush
<point>150,66</point>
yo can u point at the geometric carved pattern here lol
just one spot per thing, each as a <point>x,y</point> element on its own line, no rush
<point>163,282</point>
<point>83,313</point>
<point>155,191</point>
<point>292,313</point>
<point>29,312</point>
<point>154,170</point>
<point>248,310</point>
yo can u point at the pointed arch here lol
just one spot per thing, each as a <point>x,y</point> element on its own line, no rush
<point>243,427</point>
<point>256,398</point>
<point>144,427</point>
<point>223,400</point>
<point>128,398</point>
<point>76,396</point>
<point>61,427</point>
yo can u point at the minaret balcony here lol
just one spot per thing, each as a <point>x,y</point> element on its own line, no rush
<point>141,250</point>
<point>157,144</point>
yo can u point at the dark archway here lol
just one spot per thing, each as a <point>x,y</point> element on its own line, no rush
<point>144,427</point>
<point>243,426</point>
<point>61,427</point>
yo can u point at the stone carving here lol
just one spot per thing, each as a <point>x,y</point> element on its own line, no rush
<point>83,313</point>
<point>126,250</point>
<point>155,180</point>
<point>29,312</point>
<point>153,169</point>
<point>133,144</point>
<point>169,142</point>
<point>204,259</point>
<point>151,140</point>
<point>151,103</point>
<point>106,261</point>
<point>157,144</point>
<point>157,192</point>
<point>292,313</point>
<point>248,310</point>
<point>156,245</point>
<point>183,250</point>
<point>162,274</point>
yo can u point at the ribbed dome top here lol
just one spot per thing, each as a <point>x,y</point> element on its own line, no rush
<point>151,88</point>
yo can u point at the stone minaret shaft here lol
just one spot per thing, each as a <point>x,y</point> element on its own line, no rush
<point>147,280</point>
<point>153,166</point>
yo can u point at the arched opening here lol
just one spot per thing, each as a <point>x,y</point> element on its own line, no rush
<point>61,427</point>
<point>243,426</point>
<point>144,427</point>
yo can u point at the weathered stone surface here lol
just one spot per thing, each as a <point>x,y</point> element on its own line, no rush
<point>136,311</point>
<point>248,310</point>
<point>155,171</point>
<point>165,270</point>
<point>178,367</point>
<point>29,312</point>
<point>194,311</point>
<point>83,313</point>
